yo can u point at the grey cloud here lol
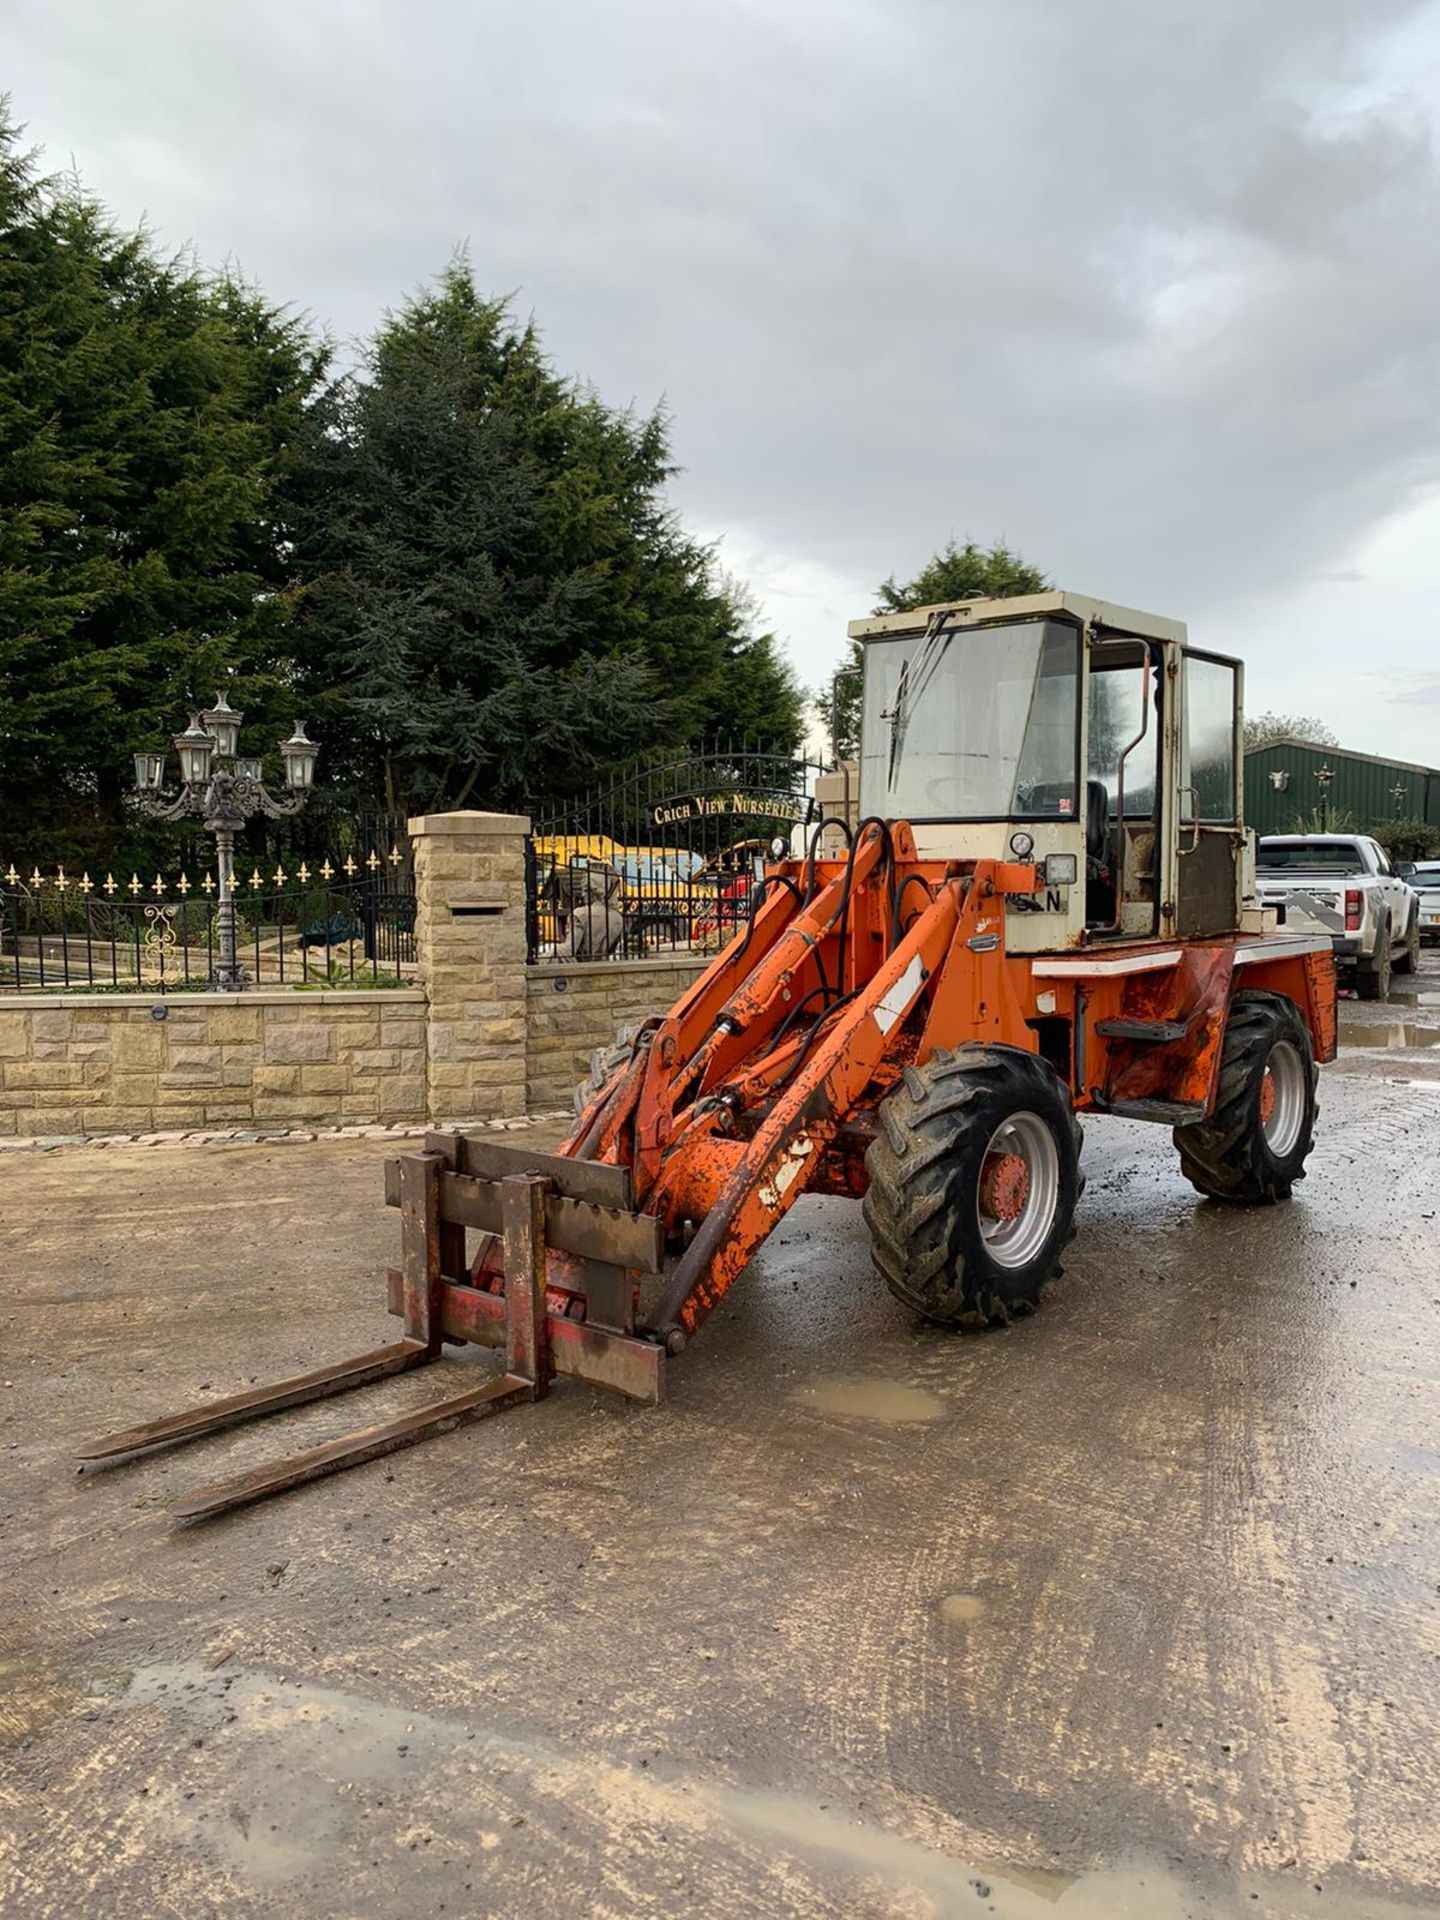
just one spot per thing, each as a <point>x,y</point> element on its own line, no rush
<point>1148,289</point>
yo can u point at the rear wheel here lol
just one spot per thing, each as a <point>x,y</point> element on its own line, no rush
<point>1372,978</point>
<point>974,1176</point>
<point>1408,958</point>
<point>1254,1146</point>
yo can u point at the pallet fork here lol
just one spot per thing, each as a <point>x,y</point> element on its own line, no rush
<point>537,1207</point>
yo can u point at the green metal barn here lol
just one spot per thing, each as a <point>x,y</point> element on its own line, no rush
<point>1283,795</point>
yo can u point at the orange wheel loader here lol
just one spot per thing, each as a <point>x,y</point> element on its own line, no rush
<point>1046,909</point>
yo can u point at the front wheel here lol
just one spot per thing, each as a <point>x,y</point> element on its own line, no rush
<point>974,1176</point>
<point>1254,1146</point>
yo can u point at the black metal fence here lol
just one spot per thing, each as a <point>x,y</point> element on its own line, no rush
<point>665,857</point>
<point>343,922</point>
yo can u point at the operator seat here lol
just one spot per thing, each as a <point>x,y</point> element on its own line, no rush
<point>1099,873</point>
<point>1097,814</point>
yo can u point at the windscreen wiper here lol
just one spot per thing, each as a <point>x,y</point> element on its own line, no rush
<point>915,676</point>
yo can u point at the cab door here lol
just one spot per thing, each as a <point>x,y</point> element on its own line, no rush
<point>1210,839</point>
<point>1123,813</point>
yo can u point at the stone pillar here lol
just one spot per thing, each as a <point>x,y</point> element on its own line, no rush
<point>837,795</point>
<point>470,942</point>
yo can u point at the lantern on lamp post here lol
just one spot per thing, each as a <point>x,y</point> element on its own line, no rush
<point>225,788</point>
<point>222,723</point>
<point>196,749</point>
<point>299,753</point>
<point>149,772</point>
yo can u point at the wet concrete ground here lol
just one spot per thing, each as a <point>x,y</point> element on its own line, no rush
<point>1131,1610</point>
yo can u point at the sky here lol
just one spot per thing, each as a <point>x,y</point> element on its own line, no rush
<point>1151,292</point>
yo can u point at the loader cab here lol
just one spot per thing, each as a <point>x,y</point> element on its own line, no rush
<point>1083,736</point>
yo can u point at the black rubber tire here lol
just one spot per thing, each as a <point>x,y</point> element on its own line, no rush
<point>1372,978</point>
<point>925,1164</point>
<point>1408,959</point>
<point>604,1062</point>
<point>1227,1157</point>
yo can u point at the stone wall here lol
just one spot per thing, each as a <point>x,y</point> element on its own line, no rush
<point>86,1064</point>
<point>484,1037</point>
<point>571,1010</point>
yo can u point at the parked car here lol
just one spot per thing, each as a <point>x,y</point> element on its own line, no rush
<point>1424,877</point>
<point>1343,885</point>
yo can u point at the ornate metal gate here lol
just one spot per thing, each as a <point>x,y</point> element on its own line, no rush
<point>665,856</point>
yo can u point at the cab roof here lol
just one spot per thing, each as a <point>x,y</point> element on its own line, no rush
<point>1104,614</point>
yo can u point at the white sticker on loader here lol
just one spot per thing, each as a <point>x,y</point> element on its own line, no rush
<point>789,1170</point>
<point>896,1003</point>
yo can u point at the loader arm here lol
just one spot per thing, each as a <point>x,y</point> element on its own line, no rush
<point>757,1181</point>
<point>793,952</point>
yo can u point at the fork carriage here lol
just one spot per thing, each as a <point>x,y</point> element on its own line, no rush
<point>532,1210</point>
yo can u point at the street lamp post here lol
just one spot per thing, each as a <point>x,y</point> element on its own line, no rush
<point>1397,794</point>
<point>840,673</point>
<point>1323,776</point>
<point>225,788</point>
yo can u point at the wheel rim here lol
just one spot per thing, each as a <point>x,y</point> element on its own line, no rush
<point>1019,1192</point>
<point>1282,1098</point>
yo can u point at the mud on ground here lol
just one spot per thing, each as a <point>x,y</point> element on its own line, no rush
<point>1131,1610</point>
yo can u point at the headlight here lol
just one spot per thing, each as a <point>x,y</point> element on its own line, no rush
<point>779,847</point>
<point>1022,845</point>
<point>1059,869</point>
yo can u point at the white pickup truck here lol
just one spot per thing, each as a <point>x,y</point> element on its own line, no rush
<point>1343,885</point>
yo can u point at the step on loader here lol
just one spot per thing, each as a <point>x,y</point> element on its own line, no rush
<point>1047,909</point>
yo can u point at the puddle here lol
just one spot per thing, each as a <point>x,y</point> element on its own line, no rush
<point>278,1764</point>
<point>959,1887</point>
<point>320,1743</point>
<point>959,1609</point>
<point>857,1398</point>
<point>1396,1035</point>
